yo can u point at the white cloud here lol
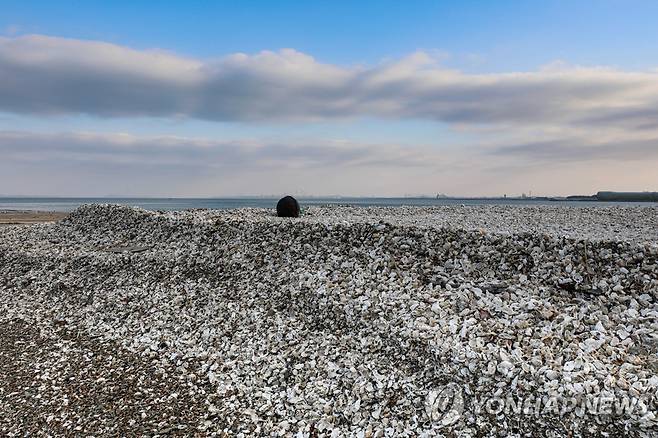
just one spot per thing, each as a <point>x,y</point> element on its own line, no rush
<point>79,163</point>
<point>46,75</point>
<point>119,148</point>
<point>93,164</point>
<point>587,124</point>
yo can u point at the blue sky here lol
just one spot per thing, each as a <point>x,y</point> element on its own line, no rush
<point>480,35</point>
<point>458,105</point>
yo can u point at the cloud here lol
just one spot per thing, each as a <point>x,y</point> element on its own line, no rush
<point>93,164</point>
<point>117,148</point>
<point>99,164</point>
<point>47,75</point>
<point>560,127</point>
<point>579,150</point>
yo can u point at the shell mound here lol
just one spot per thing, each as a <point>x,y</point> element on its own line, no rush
<point>340,325</point>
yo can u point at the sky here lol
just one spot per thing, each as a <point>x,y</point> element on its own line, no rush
<point>368,98</point>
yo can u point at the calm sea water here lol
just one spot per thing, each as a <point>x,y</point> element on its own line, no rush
<point>69,204</point>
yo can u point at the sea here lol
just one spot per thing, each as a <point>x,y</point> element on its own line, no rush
<point>70,204</point>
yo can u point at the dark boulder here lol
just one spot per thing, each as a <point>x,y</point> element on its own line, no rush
<point>287,207</point>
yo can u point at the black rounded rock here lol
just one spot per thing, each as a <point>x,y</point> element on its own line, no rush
<point>287,207</point>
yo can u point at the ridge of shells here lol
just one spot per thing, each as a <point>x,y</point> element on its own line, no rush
<point>343,321</point>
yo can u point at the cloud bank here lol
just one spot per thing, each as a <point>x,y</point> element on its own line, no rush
<point>99,164</point>
<point>118,148</point>
<point>47,75</point>
<point>557,130</point>
<point>94,164</point>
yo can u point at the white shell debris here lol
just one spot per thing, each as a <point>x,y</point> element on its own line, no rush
<point>344,321</point>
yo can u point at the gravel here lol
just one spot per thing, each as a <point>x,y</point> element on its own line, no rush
<point>67,383</point>
<point>348,321</point>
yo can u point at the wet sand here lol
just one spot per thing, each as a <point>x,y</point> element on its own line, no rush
<point>29,217</point>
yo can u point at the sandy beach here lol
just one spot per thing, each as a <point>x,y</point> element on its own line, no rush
<point>29,217</point>
<point>370,322</point>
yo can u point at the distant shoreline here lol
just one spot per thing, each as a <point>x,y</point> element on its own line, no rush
<point>601,196</point>
<point>65,205</point>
